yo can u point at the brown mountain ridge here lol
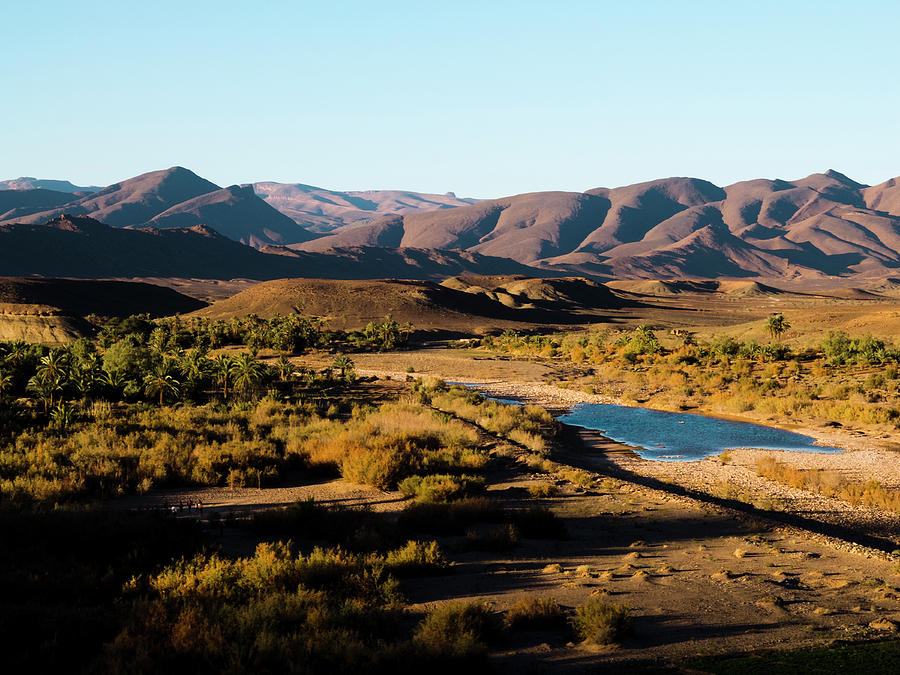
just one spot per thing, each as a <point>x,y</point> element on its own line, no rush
<point>825,225</point>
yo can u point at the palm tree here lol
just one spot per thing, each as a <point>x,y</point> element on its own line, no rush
<point>777,325</point>
<point>247,372</point>
<point>64,415</point>
<point>16,351</point>
<point>114,379</point>
<point>223,367</point>
<point>161,382</point>
<point>44,389</point>
<point>345,364</point>
<point>54,366</point>
<point>6,383</point>
<point>195,366</point>
<point>285,368</point>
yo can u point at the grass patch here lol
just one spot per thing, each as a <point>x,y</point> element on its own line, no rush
<point>542,490</point>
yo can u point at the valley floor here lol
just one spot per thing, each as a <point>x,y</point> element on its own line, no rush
<point>705,573</point>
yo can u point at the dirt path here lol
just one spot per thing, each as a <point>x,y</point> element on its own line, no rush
<point>222,500</point>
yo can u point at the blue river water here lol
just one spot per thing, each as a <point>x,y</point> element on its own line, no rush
<point>683,437</point>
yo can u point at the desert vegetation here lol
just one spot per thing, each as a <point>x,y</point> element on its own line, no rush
<point>842,379</point>
<point>478,500</point>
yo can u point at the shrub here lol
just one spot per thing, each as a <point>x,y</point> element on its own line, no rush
<point>450,518</point>
<point>601,622</point>
<point>456,630</point>
<point>496,538</point>
<point>539,522</point>
<point>416,557</point>
<point>542,490</point>
<point>535,614</point>
<point>440,487</point>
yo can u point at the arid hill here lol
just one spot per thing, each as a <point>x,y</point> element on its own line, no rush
<point>427,305</point>
<point>321,210</point>
<point>52,311</point>
<point>825,225</point>
<point>81,297</point>
<point>84,248</point>
<point>258,214</point>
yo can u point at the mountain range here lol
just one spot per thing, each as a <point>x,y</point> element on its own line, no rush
<point>824,226</point>
<point>81,247</point>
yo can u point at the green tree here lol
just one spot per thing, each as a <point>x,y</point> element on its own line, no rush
<point>195,368</point>
<point>44,389</point>
<point>247,372</point>
<point>285,368</point>
<point>223,367</point>
<point>64,415</point>
<point>54,366</point>
<point>345,364</point>
<point>777,325</point>
<point>6,384</point>
<point>161,382</point>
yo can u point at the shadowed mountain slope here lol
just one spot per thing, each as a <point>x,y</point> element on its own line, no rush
<point>237,213</point>
<point>82,247</point>
<point>20,203</point>
<point>81,297</point>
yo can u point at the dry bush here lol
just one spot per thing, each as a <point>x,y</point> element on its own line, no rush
<point>535,614</point>
<point>416,557</point>
<point>456,630</point>
<point>601,622</point>
<point>440,487</point>
<point>542,490</point>
<point>830,484</point>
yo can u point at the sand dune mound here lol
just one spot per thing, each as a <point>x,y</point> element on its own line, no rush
<point>747,289</point>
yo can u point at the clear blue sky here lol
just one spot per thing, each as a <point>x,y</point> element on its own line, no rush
<point>482,98</point>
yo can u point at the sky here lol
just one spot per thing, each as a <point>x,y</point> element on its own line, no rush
<point>481,98</point>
